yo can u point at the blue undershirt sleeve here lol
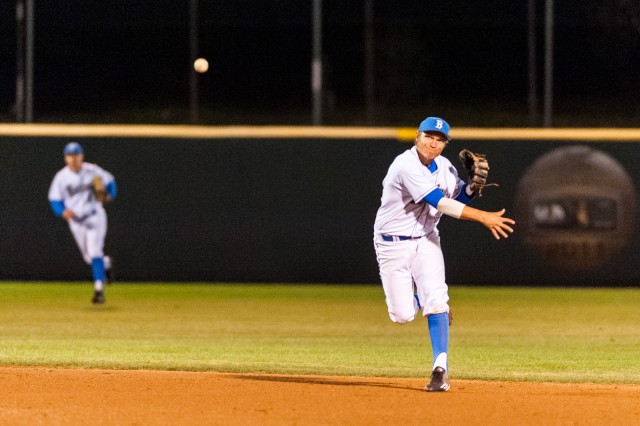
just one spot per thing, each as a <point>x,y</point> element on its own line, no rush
<point>112,189</point>
<point>463,197</point>
<point>434,197</point>
<point>57,207</point>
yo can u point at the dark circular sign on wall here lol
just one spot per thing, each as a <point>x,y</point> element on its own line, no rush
<point>575,208</point>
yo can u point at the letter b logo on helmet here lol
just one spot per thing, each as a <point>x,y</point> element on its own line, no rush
<point>438,124</point>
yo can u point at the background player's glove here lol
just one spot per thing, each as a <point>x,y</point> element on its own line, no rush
<point>99,190</point>
<point>477,168</point>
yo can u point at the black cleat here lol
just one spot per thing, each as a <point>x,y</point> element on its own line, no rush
<point>439,381</point>
<point>98,297</point>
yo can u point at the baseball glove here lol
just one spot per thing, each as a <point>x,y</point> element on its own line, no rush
<point>99,190</point>
<point>477,168</point>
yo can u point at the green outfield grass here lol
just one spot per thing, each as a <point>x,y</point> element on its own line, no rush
<point>541,334</point>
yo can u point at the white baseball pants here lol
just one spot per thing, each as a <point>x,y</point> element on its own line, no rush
<point>404,264</point>
<point>90,234</point>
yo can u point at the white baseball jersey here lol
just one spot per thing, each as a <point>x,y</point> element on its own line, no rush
<point>75,189</point>
<point>403,211</point>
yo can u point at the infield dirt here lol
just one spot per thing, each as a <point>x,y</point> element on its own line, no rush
<point>37,395</point>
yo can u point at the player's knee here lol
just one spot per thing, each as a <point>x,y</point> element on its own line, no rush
<point>93,254</point>
<point>402,317</point>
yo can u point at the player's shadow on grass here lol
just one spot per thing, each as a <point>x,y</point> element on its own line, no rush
<point>320,381</point>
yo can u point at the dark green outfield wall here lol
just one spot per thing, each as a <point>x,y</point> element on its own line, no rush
<point>271,210</point>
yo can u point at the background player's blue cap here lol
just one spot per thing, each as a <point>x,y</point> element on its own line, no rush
<point>435,124</point>
<point>73,148</point>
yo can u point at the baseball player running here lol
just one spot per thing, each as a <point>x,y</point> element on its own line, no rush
<point>421,186</point>
<point>76,195</point>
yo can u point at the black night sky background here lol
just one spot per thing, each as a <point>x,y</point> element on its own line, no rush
<point>128,61</point>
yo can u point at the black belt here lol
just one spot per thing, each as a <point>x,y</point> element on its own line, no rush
<point>398,238</point>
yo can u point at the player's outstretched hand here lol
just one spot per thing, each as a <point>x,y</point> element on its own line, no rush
<point>497,224</point>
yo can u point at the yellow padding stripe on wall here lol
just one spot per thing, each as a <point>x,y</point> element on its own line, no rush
<point>583,134</point>
<point>308,132</point>
<point>196,132</point>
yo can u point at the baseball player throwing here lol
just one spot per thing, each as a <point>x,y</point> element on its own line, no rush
<point>421,186</point>
<point>76,195</point>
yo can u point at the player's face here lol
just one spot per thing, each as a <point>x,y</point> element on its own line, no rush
<point>430,144</point>
<point>74,161</point>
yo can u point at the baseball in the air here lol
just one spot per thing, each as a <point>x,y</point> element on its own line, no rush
<point>201,65</point>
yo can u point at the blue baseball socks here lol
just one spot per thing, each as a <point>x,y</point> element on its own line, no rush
<point>97,267</point>
<point>439,333</point>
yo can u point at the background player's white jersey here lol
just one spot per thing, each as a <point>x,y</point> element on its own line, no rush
<point>75,189</point>
<point>403,212</point>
